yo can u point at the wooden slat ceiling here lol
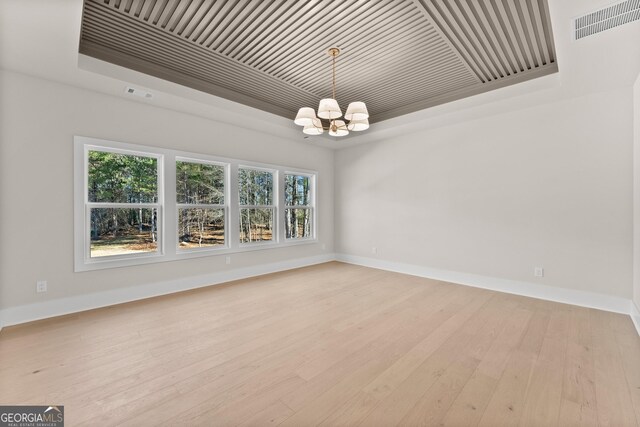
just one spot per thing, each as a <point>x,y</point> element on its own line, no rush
<point>398,56</point>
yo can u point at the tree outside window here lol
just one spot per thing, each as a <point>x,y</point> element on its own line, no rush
<point>298,206</point>
<point>255,190</point>
<point>200,189</point>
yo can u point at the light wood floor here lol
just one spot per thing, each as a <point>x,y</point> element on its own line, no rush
<point>333,344</point>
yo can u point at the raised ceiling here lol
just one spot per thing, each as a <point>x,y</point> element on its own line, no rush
<point>397,56</point>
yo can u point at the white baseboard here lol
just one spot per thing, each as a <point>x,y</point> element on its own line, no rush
<point>533,290</point>
<point>635,316</point>
<point>58,307</point>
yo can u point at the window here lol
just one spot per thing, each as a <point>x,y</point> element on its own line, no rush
<point>298,213</point>
<point>255,193</point>
<point>137,204</point>
<point>122,203</point>
<point>200,199</point>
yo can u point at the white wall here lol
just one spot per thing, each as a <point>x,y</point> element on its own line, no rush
<point>636,197</point>
<point>545,186</point>
<point>39,120</point>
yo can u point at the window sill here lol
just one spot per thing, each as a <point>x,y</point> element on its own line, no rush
<point>118,261</point>
<point>185,254</point>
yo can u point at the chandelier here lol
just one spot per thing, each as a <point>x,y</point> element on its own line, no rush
<point>356,114</point>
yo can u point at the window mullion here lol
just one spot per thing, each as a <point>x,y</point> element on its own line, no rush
<point>198,206</point>
<point>233,197</point>
<point>257,206</point>
<point>281,202</point>
<point>170,242</point>
<point>109,205</point>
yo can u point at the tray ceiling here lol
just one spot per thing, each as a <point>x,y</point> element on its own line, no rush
<point>397,56</point>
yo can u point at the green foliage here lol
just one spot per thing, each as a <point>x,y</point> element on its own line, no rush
<point>122,178</point>
<point>198,183</point>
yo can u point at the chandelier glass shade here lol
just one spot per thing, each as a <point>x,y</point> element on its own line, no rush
<point>329,110</point>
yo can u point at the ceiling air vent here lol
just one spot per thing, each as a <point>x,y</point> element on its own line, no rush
<point>139,92</point>
<point>607,18</point>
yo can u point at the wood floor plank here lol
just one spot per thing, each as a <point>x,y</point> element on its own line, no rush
<point>408,393</point>
<point>578,407</point>
<point>334,345</point>
<point>630,353</point>
<point>507,401</point>
<point>434,404</point>
<point>613,401</point>
<point>472,401</point>
<point>321,383</point>
<point>240,409</point>
<point>353,338</point>
<point>220,344</point>
<point>220,371</point>
<point>544,394</point>
<point>272,415</point>
<point>352,411</point>
<point>629,346</point>
<point>443,328</point>
<point>326,393</point>
<point>196,388</point>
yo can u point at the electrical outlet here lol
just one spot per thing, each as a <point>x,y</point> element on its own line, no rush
<point>374,250</point>
<point>324,247</point>
<point>227,260</point>
<point>538,272</point>
<point>41,286</point>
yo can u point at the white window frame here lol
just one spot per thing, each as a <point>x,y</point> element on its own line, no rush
<point>224,206</point>
<point>168,207</point>
<point>85,246</point>
<point>311,206</point>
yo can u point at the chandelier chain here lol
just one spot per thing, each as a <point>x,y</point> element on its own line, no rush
<point>333,57</point>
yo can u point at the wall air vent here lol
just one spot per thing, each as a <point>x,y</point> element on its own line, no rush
<point>606,18</point>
